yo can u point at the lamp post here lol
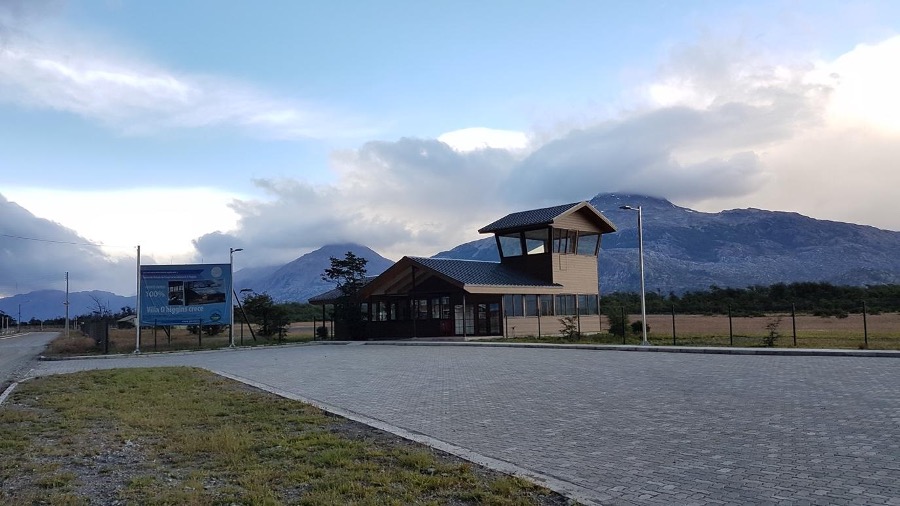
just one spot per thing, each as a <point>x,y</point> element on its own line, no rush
<point>644,341</point>
<point>231,252</point>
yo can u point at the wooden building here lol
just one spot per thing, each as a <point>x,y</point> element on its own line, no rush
<point>547,270</point>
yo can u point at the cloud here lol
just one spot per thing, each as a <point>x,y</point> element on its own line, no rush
<point>719,128</point>
<point>73,75</point>
<point>36,253</point>
<point>471,139</point>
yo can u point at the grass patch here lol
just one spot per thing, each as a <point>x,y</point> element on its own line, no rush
<point>186,436</point>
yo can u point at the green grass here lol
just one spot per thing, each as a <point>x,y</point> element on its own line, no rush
<point>186,436</point>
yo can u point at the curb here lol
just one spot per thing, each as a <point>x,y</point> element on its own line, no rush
<point>565,488</point>
<point>792,352</point>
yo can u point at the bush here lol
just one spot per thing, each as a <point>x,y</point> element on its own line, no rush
<point>636,328</point>
<point>322,332</point>
<point>569,328</point>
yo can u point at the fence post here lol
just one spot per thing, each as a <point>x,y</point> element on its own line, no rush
<point>623,325</point>
<point>865,326</point>
<point>674,343</point>
<point>730,328</point>
<point>794,323</point>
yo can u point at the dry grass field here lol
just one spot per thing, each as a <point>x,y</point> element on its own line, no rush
<point>812,331</point>
<point>880,332</point>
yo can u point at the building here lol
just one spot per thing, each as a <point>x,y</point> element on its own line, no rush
<point>547,271</point>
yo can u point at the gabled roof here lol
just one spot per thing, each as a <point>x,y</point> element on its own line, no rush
<point>475,272</point>
<point>546,216</point>
<point>332,296</point>
<point>472,276</point>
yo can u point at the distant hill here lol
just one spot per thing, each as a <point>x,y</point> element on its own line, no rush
<point>686,249</point>
<point>50,304</point>
<point>300,279</point>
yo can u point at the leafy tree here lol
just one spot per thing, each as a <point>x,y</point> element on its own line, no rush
<point>349,274</point>
<point>270,318</point>
<point>618,321</point>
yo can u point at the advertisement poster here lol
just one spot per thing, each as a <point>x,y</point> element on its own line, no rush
<point>197,294</point>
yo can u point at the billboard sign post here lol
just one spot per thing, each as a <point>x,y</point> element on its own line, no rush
<point>185,294</point>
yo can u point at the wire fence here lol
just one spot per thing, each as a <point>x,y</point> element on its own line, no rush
<point>861,329</point>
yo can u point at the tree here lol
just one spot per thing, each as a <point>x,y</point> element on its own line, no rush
<point>270,318</point>
<point>349,274</point>
<point>618,320</point>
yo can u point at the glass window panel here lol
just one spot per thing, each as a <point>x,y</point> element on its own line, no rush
<point>537,242</point>
<point>587,305</point>
<point>565,305</point>
<point>422,306</point>
<point>510,245</point>
<point>436,308</point>
<point>559,241</point>
<point>570,241</point>
<point>587,243</point>
<point>546,305</point>
<point>445,308</point>
<point>531,305</point>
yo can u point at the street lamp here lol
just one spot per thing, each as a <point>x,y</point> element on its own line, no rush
<point>644,342</point>
<point>231,252</point>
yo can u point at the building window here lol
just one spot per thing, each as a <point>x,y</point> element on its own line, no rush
<point>510,245</point>
<point>588,243</point>
<point>513,305</point>
<point>564,240</point>
<point>364,311</point>
<point>445,308</point>
<point>531,305</point>
<point>565,305</point>
<point>436,308</point>
<point>537,241</point>
<point>392,311</point>
<point>421,309</point>
<point>587,305</point>
<point>546,305</point>
<point>380,313</point>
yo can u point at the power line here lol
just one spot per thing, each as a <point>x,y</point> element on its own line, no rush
<point>64,242</point>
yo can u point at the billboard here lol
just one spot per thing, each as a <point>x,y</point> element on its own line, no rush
<point>197,294</point>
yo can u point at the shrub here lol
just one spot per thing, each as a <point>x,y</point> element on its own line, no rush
<point>636,327</point>
<point>322,332</point>
<point>569,328</point>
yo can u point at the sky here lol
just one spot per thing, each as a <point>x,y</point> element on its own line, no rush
<point>189,128</point>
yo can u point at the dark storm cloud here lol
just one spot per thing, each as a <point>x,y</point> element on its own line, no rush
<point>27,264</point>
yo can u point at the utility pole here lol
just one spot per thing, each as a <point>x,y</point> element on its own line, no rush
<point>67,304</point>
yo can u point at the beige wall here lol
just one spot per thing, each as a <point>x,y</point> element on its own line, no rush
<point>519,326</point>
<point>577,273</point>
<point>576,221</point>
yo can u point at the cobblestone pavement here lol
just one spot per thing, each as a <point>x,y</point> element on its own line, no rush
<point>619,427</point>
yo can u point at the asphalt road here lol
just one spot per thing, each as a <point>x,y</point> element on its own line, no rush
<point>18,354</point>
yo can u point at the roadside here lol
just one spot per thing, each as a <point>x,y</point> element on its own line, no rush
<point>183,435</point>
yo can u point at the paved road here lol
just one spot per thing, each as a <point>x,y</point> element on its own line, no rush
<point>614,427</point>
<point>17,353</point>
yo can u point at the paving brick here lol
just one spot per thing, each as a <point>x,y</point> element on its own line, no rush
<point>623,428</point>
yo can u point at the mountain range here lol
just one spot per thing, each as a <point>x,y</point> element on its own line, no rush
<point>683,250</point>
<point>50,304</point>
<point>689,250</point>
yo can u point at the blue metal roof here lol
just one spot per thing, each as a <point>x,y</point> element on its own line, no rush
<point>523,219</point>
<point>475,272</point>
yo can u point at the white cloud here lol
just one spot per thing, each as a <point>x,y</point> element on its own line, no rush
<point>472,139</point>
<point>163,221</point>
<point>866,83</point>
<point>718,132</point>
<point>72,75</point>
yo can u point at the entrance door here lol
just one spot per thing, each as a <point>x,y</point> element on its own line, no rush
<point>464,324</point>
<point>488,319</point>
